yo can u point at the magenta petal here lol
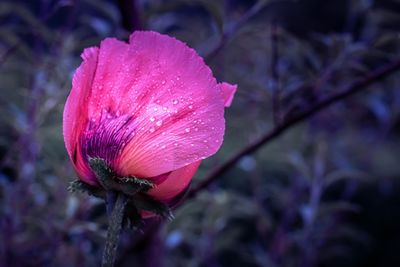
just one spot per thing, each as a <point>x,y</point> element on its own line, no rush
<point>176,182</point>
<point>75,112</point>
<point>172,95</point>
<point>228,92</point>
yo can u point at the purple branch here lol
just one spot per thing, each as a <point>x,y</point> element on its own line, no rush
<point>276,96</point>
<point>229,32</point>
<point>351,89</point>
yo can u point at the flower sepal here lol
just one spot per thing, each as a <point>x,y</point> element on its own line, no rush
<point>110,181</point>
<point>82,187</point>
<point>133,188</point>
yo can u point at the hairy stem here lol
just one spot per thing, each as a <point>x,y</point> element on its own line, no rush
<point>114,227</point>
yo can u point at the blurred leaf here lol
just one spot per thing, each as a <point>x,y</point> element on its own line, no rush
<point>342,175</point>
<point>327,209</point>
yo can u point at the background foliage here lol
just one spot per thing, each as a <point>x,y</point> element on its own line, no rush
<point>325,193</point>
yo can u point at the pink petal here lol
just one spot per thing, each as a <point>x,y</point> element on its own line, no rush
<point>228,92</point>
<point>75,113</point>
<point>176,182</point>
<point>175,102</point>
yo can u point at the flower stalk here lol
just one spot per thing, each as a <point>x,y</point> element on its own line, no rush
<point>117,201</point>
<point>124,198</point>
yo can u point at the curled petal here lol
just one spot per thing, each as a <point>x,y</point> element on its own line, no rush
<point>176,182</point>
<point>228,92</point>
<point>75,112</point>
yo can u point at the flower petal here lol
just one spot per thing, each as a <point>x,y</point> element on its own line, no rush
<point>176,182</point>
<point>228,92</point>
<point>175,102</point>
<point>75,112</point>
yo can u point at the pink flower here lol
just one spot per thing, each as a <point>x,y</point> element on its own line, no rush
<point>150,108</point>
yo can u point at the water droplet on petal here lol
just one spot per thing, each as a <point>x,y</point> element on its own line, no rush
<point>175,102</point>
<point>152,130</point>
<point>159,123</point>
<point>187,130</point>
<point>152,119</point>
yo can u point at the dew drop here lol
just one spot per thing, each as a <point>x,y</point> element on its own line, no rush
<point>187,130</point>
<point>155,109</point>
<point>152,130</point>
<point>190,107</point>
<point>159,123</point>
<point>152,119</point>
<point>175,102</point>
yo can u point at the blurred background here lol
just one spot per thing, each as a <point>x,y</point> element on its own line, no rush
<point>326,192</point>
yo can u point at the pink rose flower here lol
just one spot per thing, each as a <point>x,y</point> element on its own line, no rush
<point>150,108</point>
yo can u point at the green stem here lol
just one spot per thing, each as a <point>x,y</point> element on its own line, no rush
<point>114,229</point>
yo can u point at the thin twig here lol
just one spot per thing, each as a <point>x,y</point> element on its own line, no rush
<point>130,15</point>
<point>275,79</point>
<point>8,53</point>
<point>230,31</point>
<point>351,89</point>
